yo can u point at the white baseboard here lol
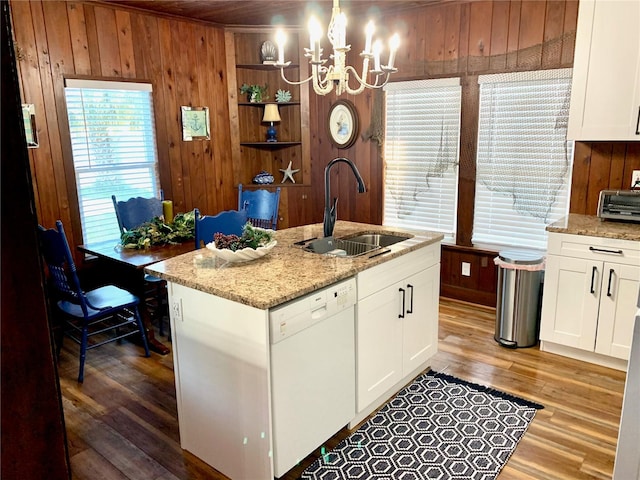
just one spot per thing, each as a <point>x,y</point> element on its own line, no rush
<point>583,355</point>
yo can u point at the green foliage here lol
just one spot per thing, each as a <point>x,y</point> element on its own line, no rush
<point>252,237</point>
<point>255,237</point>
<point>255,93</point>
<point>157,232</point>
<point>283,96</point>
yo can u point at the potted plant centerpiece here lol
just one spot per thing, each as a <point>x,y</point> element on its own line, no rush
<point>254,93</point>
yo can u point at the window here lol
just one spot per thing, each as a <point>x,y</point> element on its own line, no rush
<point>114,150</point>
<point>524,160</point>
<point>421,149</point>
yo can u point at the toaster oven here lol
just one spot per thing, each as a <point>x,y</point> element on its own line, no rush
<point>621,205</point>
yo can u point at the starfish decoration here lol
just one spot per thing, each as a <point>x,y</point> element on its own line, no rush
<point>288,173</point>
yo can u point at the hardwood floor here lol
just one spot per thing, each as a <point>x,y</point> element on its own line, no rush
<point>122,422</point>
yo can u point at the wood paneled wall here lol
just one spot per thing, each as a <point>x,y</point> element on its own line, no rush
<point>466,39</point>
<point>185,61</point>
<point>601,166</point>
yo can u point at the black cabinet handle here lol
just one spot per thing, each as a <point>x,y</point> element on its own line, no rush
<point>593,278</point>
<point>411,298</point>
<point>401,315</point>
<point>638,123</point>
<point>604,250</point>
<point>611,272</point>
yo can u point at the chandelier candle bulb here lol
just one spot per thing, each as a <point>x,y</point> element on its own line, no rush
<point>281,39</point>
<point>341,28</point>
<point>369,29</point>
<point>313,26</point>
<point>315,34</point>
<point>394,43</point>
<point>377,50</point>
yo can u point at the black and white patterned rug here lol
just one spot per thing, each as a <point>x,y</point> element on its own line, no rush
<point>438,427</point>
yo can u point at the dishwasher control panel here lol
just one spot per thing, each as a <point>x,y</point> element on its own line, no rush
<point>294,316</point>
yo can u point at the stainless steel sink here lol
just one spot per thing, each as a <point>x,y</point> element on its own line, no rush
<point>339,247</point>
<point>378,239</point>
<point>354,245</point>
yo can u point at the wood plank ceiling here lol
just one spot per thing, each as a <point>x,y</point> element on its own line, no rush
<point>264,13</point>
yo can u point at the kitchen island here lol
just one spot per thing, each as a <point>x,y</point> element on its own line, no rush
<point>288,272</point>
<point>220,320</point>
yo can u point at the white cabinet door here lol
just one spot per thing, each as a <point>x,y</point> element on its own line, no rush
<point>397,323</point>
<point>617,309</point>
<point>605,93</point>
<point>570,301</point>
<point>378,344</point>
<point>397,332</point>
<point>420,323</point>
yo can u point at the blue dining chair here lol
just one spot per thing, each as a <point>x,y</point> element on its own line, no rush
<point>229,222</point>
<point>131,214</point>
<point>137,210</point>
<point>104,310</point>
<point>261,206</point>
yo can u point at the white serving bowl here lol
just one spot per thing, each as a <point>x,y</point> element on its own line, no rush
<point>244,255</point>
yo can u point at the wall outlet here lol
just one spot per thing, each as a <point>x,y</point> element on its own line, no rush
<point>177,311</point>
<point>466,269</point>
<point>635,179</point>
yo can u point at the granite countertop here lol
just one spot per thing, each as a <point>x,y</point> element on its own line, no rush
<point>287,272</point>
<point>593,226</point>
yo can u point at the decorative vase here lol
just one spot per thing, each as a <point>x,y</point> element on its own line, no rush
<point>263,178</point>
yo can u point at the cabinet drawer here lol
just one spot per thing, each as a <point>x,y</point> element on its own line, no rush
<point>375,279</point>
<point>594,248</point>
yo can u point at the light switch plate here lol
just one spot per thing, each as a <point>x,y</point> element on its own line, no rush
<point>635,179</point>
<point>466,269</point>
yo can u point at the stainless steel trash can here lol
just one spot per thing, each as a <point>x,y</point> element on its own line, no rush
<point>520,276</point>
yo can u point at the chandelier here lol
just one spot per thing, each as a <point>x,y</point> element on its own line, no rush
<point>338,75</point>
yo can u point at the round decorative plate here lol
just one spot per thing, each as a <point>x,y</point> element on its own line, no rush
<point>342,124</point>
<point>243,255</point>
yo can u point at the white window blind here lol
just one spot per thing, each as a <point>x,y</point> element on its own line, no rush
<point>421,149</point>
<point>114,150</point>
<point>524,159</point>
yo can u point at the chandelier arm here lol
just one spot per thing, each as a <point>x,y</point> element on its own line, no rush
<point>386,80</point>
<point>361,79</point>
<point>363,83</point>
<point>301,82</point>
<point>321,85</point>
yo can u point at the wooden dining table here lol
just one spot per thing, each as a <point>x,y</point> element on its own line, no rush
<point>125,267</point>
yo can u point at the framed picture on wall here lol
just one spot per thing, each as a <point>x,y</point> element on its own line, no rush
<point>342,124</point>
<point>195,123</point>
<point>29,120</point>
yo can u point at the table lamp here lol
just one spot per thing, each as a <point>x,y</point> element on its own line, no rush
<point>271,114</point>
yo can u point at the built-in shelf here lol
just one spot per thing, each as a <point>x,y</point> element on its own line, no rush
<point>270,144</point>
<point>263,66</point>
<point>249,150</point>
<point>262,104</point>
<point>249,186</point>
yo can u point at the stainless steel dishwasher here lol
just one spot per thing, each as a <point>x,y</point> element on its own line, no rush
<point>312,371</point>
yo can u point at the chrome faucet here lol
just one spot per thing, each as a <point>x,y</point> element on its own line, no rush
<point>329,209</point>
